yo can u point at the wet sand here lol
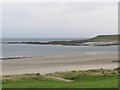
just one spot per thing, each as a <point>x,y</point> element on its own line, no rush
<point>56,63</point>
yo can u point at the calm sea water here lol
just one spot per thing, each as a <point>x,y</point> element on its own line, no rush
<point>39,39</point>
<point>9,50</point>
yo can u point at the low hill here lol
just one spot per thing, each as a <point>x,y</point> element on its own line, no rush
<point>105,38</point>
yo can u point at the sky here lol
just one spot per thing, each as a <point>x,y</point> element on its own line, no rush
<point>59,19</point>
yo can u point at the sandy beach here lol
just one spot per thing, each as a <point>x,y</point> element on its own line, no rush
<point>56,63</point>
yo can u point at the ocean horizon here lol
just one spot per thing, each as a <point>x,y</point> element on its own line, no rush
<point>40,39</point>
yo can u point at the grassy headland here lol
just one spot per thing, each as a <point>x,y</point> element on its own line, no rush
<point>99,78</point>
<point>105,38</point>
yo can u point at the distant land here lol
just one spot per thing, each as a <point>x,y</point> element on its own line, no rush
<point>105,38</point>
<point>99,40</point>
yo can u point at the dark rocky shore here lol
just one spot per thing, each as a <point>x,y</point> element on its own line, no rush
<point>8,58</point>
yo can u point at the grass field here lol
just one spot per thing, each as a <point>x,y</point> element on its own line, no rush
<point>106,38</point>
<point>77,79</point>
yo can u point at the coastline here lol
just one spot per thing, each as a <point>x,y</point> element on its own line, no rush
<point>99,40</point>
<point>56,63</point>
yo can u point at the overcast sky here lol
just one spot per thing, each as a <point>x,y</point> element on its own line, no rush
<point>59,20</point>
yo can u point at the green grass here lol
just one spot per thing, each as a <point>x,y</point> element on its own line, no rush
<point>105,38</point>
<point>86,82</point>
<point>81,79</point>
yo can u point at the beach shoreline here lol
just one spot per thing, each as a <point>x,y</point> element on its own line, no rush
<point>57,63</point>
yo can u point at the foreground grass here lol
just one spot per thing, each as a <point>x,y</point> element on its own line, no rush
<point>80,79</point>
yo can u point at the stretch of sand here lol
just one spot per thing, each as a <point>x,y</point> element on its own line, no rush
<point>51,64</point>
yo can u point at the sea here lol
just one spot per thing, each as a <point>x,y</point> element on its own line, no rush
<point>31,50</point>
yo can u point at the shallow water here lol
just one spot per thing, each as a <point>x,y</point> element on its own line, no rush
<point>9,50</point>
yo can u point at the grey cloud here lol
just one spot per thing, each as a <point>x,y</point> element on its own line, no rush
<point>59,19</point>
